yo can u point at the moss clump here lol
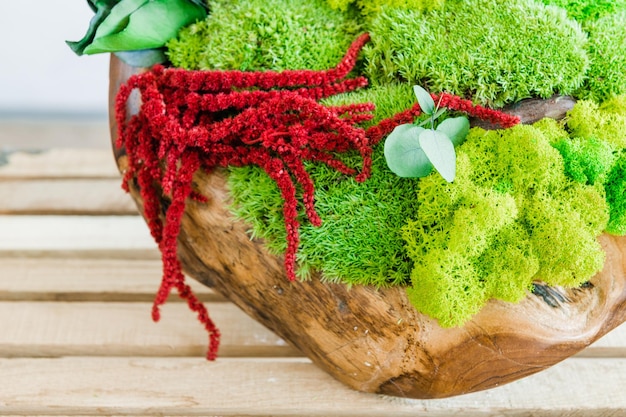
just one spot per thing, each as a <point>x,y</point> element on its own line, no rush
<point>265,34</point>
<point>588,10</point>
<point>586,160</point>
<point>615,188</point>
<point>359,241</point>
<point>606,122</point>
<point>599,161</point>
<point>369,8</point>
<point>607,51</point>
<point>510,217</point>
<point>493,51</point>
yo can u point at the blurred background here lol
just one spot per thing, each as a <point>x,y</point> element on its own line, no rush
<point>49,97</point>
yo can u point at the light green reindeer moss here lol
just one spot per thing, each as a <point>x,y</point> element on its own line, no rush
<point>606,122</point>
<point>599,138</point>
<point>492,51</point>
<point>510,217</point>
<point>265,34</point>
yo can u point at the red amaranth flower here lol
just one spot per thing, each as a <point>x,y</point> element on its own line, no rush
<point>193,119</point>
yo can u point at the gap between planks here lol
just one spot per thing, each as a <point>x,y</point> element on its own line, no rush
<point>284,387</point>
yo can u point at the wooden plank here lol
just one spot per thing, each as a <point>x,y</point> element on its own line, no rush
<point>58,279</point>
<point>49,329</point>
<point>96,196</point>
<point>285,387</point>
<point>44,279</point>
<point>35,133</point>
<point>95,236</point>
<point>59,163</point>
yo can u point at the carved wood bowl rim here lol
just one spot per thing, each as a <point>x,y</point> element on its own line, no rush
<point>374,340</point>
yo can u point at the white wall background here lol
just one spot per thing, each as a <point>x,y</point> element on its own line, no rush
<point>39,74</point>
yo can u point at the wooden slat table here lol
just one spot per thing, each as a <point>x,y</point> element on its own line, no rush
<point>78,271</point>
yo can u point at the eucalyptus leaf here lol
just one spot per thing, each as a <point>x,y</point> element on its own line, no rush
<point>440,151</point>
<point>147,27</point>
<point>456,128</point>
<point>403,153</point>
<point>424,99</point>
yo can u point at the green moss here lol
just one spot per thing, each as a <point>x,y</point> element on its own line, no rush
<point>265,34</point>
<point>606,122</point>
<point>493,51</point>
<point>390,99</point>
<point>359,241</point>
<point>475,239</point>
<point>588,10</point>
<point>370,8</point>
<point>607,51</point>
<point>586,160</point>
<point>616,196</point>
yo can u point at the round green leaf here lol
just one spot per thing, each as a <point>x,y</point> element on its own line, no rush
<point>424,99</point>
<point>456,128</point>
<point>403,153</point>
<point>440,151</point>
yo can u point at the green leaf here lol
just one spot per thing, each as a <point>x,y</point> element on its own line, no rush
<point>424,99</point>
<point>118,18</point>
<point>456,128</point>
<point>403,153</point>
<point>147,27</point>
<point>440,151</point>
<point>102,8</point>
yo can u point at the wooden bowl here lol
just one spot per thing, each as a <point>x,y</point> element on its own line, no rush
<point>373,340</point>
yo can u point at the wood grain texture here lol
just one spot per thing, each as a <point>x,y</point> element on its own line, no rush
<point>374,340</point>
<point>282,387</point>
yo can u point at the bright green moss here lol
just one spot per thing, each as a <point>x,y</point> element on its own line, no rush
<point>265,34</point>
<point>607,51</point>
<point>615,187</point>
<point>493,51</point>
<point>510,217</point>
<point>369,8</point>
<point>588,10</point>
<point>359,241</point>
<point>586,160</point>
<point>390,99</point>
